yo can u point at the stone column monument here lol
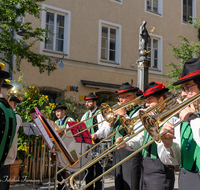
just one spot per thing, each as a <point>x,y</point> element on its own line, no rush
<point>143,62</point>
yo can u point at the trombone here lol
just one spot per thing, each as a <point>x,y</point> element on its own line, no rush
<point>149,122</point>
<point>156,107</point>
<point>107,113</point>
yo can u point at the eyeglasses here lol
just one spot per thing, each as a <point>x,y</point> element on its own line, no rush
<point>123,97</point>
<point>186,88</point>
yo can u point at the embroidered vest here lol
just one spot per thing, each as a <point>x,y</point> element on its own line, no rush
<point>92,121</point>
<point>7,132</point>
<point>64,123</point>
<point>190,151</point>
<point>117,125</point>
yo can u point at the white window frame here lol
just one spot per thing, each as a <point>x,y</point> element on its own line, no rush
<point>67,29</point>
<point>117,1</point>
<point>160,8</point>
<point>160,52</point>
<point>193,11</point>
<point>117,62</point>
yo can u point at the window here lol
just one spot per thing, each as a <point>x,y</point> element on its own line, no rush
<point>154,6</point>
<point>188,10</point>
<point>154,44</point>
<point>109,43</point>
<point>58,22</point>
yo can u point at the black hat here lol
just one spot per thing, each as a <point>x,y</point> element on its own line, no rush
<point>15,99</point>
<point>7,84</point>
<point>191,70</point>
<point>3,74</point>
<point>154,88</point>
<point>126,87</point>
<point>59,106</point>
<point>139,92</point>
<point>91,96</point>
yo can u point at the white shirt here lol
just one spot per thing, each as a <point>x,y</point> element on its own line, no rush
<point>107,130</point>
<point>136,142</point>
<point>13,150</point>
<point>100,132</point>
<point>164,153</point>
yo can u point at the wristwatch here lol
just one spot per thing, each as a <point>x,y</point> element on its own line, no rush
<point>191,117</point>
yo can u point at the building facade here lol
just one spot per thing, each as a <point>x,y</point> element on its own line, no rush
<point>95,43</point>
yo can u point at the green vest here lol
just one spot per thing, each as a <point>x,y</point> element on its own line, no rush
<point>117,125</point>
<point>190,151</point>
<point>148,138</point>
<point>8,133</point>
<point>89,122</point>
<point>64,124</point>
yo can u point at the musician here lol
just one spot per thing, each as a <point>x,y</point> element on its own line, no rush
<point>61,123</point>
<point>7,131</point>
<point>91,104</point>
<point>62,118</point>
<point>127,175</point>
<point>182,144</point>
<point>154,174</point>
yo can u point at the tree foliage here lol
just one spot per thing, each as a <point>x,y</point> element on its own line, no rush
<point>10,23</point>
<point>184,51</point>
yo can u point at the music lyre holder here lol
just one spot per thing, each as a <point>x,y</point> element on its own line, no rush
<point>83,137</point>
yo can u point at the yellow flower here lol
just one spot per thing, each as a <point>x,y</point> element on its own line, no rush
<point>47,97</point>
<point>33,84</point>
<point>2,66</point>
<point>42,145</point>
<point>18,149</point>
<point>35,91</point>
<point>29,98</point>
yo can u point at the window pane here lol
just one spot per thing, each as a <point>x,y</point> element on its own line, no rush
<point>155,53</point>
<point>104,31</point>
<point>149,4</point>
<point>60,33</point>
<point>112,45</point>
<point>103,53</point>
<point>155,5</point>
<point>59,45</point>
<point>60,20</point>
<point>49,45</point>
<point>50,18</point>
<point>51,28</point>
<point>155,63</point>
<point>104,42</point>
<point>112,55</point>
<point>155,43</point>
<point>184,13</point>
<point>112,33</point>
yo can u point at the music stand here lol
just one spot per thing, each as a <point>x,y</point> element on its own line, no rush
<point>30,129</point>
<point>83,137</point>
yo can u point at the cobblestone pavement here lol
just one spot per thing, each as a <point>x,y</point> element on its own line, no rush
<point>108,184</point>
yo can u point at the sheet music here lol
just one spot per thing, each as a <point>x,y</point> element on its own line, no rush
<point>43,132</point>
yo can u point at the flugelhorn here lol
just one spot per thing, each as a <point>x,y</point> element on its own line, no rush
<point>161,119</point>
<point>108,113</point>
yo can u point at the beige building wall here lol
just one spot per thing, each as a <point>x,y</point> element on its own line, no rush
<point>82,59</point>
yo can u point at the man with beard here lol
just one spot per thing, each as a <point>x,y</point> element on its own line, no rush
<point>181,146</point>
<point>91,104</point>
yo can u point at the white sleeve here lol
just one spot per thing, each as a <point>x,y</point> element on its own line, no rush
<point>195,126</point>
<point>164,153</point>
<point>104,129</point>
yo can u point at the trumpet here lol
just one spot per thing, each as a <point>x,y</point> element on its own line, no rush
<point>108,113</point>
<point>148,122</point>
